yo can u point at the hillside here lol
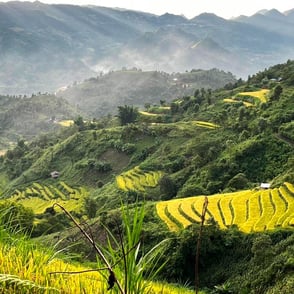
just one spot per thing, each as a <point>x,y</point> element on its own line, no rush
<point>51,46</point>
<point>219,143</point>
<point>253,142</point>
<point>99,96</point>
<point>22,118</point>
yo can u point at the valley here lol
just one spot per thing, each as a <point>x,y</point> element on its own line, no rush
<point>144,153</point>
<point>160,163</point>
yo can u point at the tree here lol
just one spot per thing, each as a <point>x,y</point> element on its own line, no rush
<point>80,123</point>
<point>90,207</point>
<point>277,92</point>
<point>127,114</point>
<point>238,182</point>
<point>167,188</point>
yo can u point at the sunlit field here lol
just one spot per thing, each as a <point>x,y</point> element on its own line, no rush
<point>251,211</point>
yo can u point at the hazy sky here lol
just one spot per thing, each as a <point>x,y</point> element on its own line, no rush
<point>190,8</point>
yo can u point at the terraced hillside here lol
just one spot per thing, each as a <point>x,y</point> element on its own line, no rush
<point>39,197</point>
<point>138,180</point>
<point>251,211</point>
<point>254,97</point>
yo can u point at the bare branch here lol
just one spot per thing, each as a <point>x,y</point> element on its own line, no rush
<point>204,210</point>
<point>112,278</point>
<point>79,272</point>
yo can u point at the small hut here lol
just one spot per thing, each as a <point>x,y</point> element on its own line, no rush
<point>55,174</point>
<point>264,186</point>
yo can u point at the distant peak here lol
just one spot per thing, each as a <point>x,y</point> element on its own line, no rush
<point>172,17</point>
<point>208,17</point>
<point>271,13</point>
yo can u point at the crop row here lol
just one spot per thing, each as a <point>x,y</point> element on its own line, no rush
<point>206,124</point>
<point>231,100</point>
<point>39,196</point>
<point>249,210</point>
<point>138,180</point>
<point>260,95</point>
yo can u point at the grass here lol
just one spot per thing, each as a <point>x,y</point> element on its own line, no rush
<point>250,210</point>
<point>26,267</point>
<point>205,124</point>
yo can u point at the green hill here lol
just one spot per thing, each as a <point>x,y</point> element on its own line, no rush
<point>22,118</point>
<point>102,95</point>
<point>195,145</point>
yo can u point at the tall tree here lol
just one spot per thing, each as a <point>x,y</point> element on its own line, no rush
<point>127,114</point>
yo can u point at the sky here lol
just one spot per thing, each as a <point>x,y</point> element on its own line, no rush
<point>189,8</point>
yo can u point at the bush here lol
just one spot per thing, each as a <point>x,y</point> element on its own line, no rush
<point>167,188</point>
<point>238,182</point>
<point>15,217</point>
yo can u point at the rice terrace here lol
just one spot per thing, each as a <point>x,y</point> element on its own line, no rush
<point>251,211</point>
<point>134,162</point>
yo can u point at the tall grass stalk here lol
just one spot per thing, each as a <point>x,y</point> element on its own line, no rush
<point>138,267</point>
<point>204,210</point>
<point>128,267</point>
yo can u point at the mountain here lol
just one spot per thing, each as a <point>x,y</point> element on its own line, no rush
<point>45,47</point>
<point>272,21</point>
<point>99,96</point>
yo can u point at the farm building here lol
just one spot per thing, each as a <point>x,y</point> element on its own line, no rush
<point>265,185</point>
<point>55,174</point>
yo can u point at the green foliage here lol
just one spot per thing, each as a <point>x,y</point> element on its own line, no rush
<point>102,95</point>
<point>16,217</point>
<point>277,92</point>
<point>251,145</point>
<point>238,182</point>
<point>236,262</point>
<point>24,117</point>
<point>127,114</point>
<point>90,207</point>
<point>167,188</point>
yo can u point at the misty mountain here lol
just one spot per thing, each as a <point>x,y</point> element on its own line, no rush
<point>97,97</point>
<point>24,117</point>
<point>45,47</point>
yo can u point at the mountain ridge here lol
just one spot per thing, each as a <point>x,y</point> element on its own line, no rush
<point>80,41</point>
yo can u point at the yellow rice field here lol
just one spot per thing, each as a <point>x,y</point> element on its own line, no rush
<point>66,123</point>
<point>138,180</point>
<point>261,94</point>
<point>38,197</point>
<point>251,211</point>
<point>27,266</point>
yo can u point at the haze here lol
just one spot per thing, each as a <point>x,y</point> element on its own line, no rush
<point>189,8</point>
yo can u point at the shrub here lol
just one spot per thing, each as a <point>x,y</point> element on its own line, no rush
<point>167,188</point>
<point>16,217</point>
<point>238,182</point>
